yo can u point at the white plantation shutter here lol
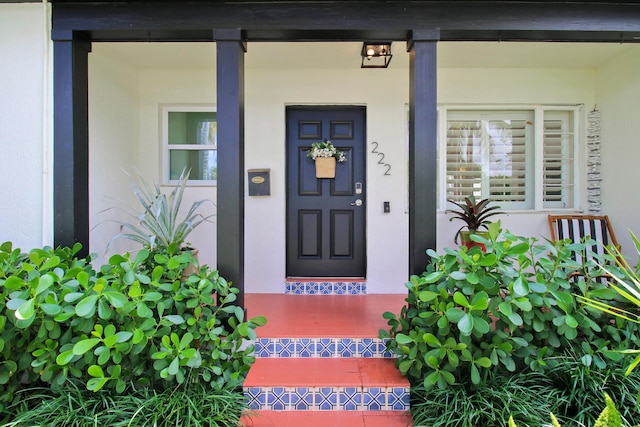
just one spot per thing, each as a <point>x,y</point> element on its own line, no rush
<point>489,154</point>
<point>464,160</point>
<point>558,163</point>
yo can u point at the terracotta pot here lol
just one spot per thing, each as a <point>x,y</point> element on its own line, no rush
<point>465,239</point>
<point>325,167</point>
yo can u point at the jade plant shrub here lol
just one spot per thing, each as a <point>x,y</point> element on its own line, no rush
<point>135,322</point>
<point>502,310</point>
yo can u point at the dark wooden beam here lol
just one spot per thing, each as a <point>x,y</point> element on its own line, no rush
<point>230,115</point>
<point>423,144</point>
<point>354,20</point>
<point>70,140</point>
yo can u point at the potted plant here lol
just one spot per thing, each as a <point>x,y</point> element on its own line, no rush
<point>325,154</point>
<point>158,225</point>
<point>475,215</point>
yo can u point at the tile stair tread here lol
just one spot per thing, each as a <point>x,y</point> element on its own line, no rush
<point>327,418</point>
<point>325,372</point>
<point>320,316</point>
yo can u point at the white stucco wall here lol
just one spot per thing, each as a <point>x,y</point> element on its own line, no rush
<point>113,148</point>
<point>385,94</point>
<point>618,94</point>
<point>25,140</point>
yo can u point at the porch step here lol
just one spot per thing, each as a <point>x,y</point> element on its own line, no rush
<point>320,362</point>
<point>326,418</point>
<point>321,384</point>
<point>321,347</point>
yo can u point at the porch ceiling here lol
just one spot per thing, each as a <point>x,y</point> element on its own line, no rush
<point>347,54</point>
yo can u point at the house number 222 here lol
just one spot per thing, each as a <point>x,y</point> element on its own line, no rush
<point>381,161</point>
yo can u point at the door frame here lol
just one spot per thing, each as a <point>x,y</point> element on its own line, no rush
<point>329,107</point>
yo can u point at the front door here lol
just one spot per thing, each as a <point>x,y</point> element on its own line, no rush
<point>326,216</point>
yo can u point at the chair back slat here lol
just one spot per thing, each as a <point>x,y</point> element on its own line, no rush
<point>578,227</point>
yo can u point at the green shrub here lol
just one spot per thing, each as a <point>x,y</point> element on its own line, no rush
<point>527,397</point>
<point>609,417</point>
<point>188,405</point>
<point>134,323</point>
<point>503,310</point>
<point>581,388</point>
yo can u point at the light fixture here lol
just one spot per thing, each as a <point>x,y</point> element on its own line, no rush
<point>376,54</point>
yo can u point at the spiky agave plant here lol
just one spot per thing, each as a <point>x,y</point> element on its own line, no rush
<point>473,213</point>
<point>158,224</point>
<point>625,280</point>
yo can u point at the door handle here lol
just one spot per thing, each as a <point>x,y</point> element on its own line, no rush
<point>358,202</point>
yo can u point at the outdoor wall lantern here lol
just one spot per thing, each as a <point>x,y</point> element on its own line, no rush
<point>376,54</point>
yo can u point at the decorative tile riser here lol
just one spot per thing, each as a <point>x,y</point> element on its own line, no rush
<point>321,347</point>
<point>325,288</point>
<point>328,398</point>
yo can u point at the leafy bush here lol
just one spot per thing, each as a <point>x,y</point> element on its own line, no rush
<point>528,397</point>
<point>189,405</point>
<point>134,323</point>
<point>581,388</point>
<point>609,417</point>
<point>503,310</point>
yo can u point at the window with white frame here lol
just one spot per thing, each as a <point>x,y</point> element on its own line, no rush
<point>519,158</point>
<point>190,142</point>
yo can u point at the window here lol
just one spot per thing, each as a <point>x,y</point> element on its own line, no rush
<point>190,141</point>
<point>520,159</point>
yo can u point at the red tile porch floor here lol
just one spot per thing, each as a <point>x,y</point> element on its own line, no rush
<point>348,316</point>
<point>336,319</point>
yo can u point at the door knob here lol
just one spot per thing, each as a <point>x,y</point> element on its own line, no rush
<point>358,202</point>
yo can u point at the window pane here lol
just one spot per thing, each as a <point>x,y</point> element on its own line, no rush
<point>464,159</point>
<point>507,147</point>
<point>189,127</point>
<point>558,185</point>
<point>202,163</point>
<point>489,155</point>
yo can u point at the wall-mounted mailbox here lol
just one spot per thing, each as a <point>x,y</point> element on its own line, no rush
<point>259,182</point>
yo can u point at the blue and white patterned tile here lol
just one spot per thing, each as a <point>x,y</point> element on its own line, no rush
<point>367,347</point>
<point>300,288</point>
<point>305,347</point>
<point>325,288</point>
<point>263,347</point>
<point>340,288</point>
<point>283,347</point>
<point>255,397</point>
<point>346,347</point>
<point>277,399</point>
<point>374,399</point>
<point>313,288</point>
<point>398,399</point>
<point>350,398</point>
<point>386,353</point>
<point>326,347</point>
<point>302,399</point>
<point>326,399</point>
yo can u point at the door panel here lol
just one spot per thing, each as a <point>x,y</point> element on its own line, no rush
<point>325,232</point>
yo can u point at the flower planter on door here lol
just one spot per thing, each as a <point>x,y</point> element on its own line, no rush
<point>325,167</point>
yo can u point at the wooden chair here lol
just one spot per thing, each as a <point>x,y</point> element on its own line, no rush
<point>578,227</point>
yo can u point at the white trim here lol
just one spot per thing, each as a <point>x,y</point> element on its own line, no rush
<point>163,123</point>
<point>534,184</point>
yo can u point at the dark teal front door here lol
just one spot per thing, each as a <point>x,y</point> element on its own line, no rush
<point>326,217</point>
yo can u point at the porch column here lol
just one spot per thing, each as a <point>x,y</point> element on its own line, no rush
<point>423,135</point>
<point>230,116</point>
<point>70,139</point>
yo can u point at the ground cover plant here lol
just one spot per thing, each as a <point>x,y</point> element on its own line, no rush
<point>474,315</point>
<point>133,325</point>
